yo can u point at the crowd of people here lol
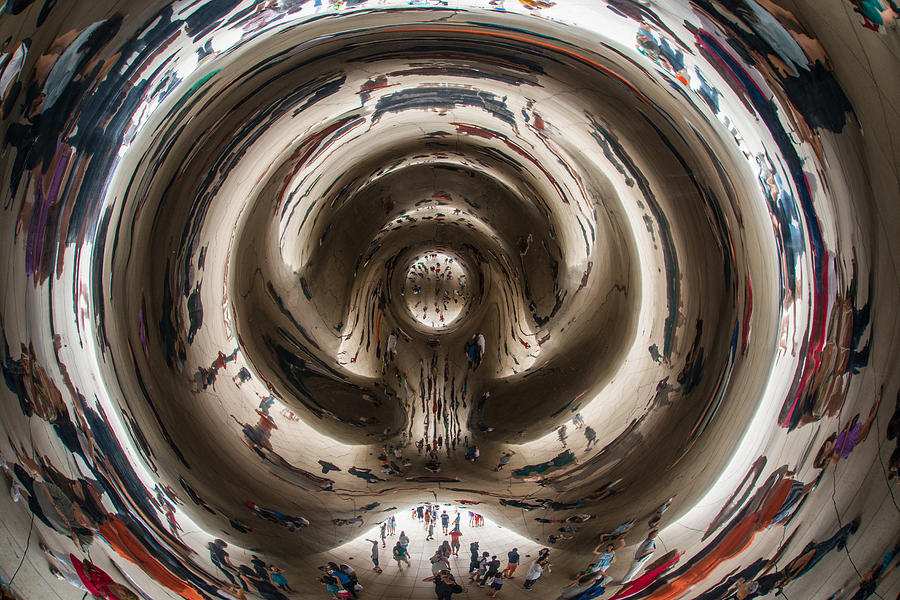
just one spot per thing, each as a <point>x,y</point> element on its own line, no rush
<point>267,580</point>
<point>486,570</point>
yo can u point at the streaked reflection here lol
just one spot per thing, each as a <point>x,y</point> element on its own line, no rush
<point>607,273</point>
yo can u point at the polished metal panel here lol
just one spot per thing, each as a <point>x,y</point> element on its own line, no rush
<point>624,266</point>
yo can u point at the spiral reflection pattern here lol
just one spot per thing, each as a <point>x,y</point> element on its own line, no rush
<point>307,262</point>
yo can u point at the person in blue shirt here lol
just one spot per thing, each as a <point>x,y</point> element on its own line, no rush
<point>344,580</point>
<point>512,563</point>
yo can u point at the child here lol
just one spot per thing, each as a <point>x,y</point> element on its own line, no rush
<point>279,579</point>
<point>496,584</point>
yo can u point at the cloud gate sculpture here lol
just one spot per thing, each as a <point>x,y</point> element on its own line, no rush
<point>600,271</point>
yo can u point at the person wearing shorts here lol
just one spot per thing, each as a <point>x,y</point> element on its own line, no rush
<point>512,562</point>
<point>401,554</point>
<point>375,567</point>
<point>496,585</point>
<point>454,541</point>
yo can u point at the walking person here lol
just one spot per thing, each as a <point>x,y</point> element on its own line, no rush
<point>455,534</point>
<point>383,532</point>
<point>534,573</point>
<point>493,569</point>
<point>642,555</point>
<point>446,552</point>
<point>512,562</point>
<point>591,436</point>
<point>219,557</point>
<point>375,566</point>
<point>445,521</point>
<point>401,554</point>
<point>430,535</point>
<point>403,539</point>
<point>482,568</point>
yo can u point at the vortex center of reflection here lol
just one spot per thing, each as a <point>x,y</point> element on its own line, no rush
<point>436,289</point>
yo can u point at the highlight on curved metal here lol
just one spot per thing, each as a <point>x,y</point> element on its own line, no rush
<point>627,265</point>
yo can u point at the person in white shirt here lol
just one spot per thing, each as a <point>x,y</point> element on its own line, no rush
<point>534,573</point>
<point>642,555</point>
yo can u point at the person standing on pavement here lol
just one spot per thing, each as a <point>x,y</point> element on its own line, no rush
<point>375,566</point>
<point>474,559</point>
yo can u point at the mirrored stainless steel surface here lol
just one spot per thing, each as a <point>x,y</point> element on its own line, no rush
<point>618,271</point>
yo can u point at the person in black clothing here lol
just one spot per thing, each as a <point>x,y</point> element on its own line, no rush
<point>444,585</point>
<point>493,569</point>
<point>476,557</point>
<point>259,566</point>
<point>219,557</point>
<point>263,585</point>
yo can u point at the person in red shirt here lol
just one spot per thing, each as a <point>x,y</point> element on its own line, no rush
<point>455,534</point>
